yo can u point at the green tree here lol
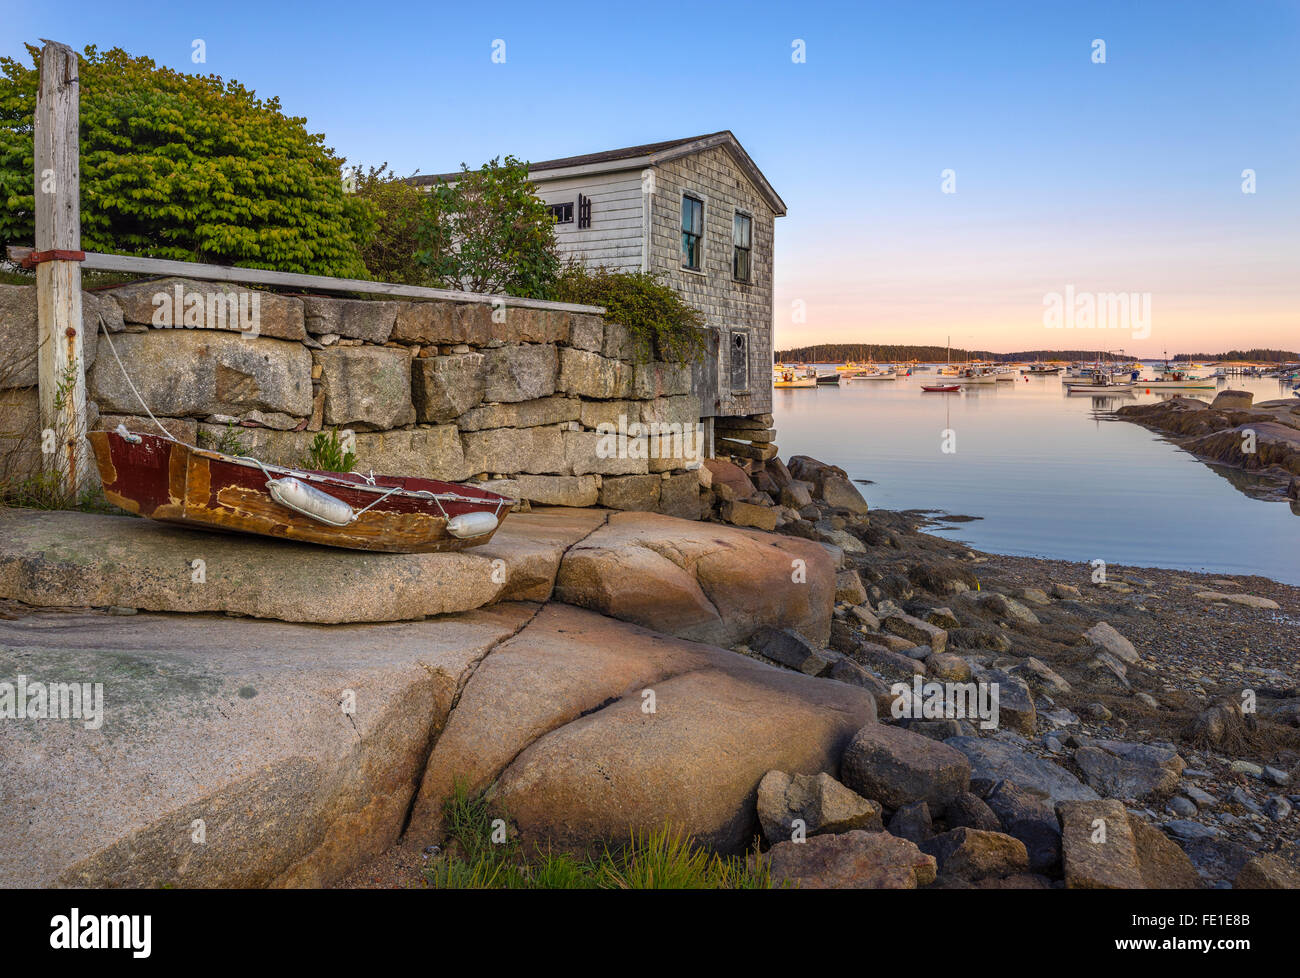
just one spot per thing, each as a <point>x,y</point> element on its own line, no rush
<point>389,249</point>
<point>186,167</point>
<point>489,232</point>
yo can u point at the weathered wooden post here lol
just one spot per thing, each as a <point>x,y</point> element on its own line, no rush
<point>62,374</point>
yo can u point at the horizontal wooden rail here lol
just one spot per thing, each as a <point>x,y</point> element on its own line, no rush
<point>99,262</point>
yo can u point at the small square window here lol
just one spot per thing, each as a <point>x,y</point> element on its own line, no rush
<point>563,213</point>
<point>692,232</point>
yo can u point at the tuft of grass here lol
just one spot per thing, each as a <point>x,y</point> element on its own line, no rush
<point>228,443</point>
<point>326,454</point>
<point>664,858</point>
<point>46,491</point>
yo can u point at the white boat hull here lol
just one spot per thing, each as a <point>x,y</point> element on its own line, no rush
<point>1195,385</point>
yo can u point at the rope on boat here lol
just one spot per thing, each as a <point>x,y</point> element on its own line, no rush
<point>108,336</point>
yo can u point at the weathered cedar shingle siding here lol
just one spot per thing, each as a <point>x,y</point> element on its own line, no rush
<point>726,303</point>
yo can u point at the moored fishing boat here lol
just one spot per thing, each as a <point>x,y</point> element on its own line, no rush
<point>973,375</point>
<point>1099,383</point>
<point>168,480</point>
<point>1172,378</point>
<point>789,377</point>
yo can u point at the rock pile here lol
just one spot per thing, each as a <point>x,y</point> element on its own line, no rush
<point>942,797</point>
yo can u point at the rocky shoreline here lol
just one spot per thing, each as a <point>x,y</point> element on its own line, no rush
<point>792,677</point>
<point>1161,702</point>
<point>1261,439</point>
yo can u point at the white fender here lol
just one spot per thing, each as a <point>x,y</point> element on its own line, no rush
<point>471,524</point>
<point>310,501</point>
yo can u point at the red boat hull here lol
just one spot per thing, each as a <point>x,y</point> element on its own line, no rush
<point>167,480</point>
<point>946,389</point>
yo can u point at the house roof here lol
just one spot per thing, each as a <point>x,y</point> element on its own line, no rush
<point>635,157</point>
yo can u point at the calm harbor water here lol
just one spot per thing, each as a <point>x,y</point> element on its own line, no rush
<point>1049,475</point>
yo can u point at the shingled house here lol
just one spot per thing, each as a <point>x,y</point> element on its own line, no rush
<point>700,214</point>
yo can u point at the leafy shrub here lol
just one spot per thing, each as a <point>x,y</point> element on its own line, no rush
<point>389,247</point>
<point>326,454</point>
<point>186,167</point>
<point>659,320</point>
<point>488,232</point>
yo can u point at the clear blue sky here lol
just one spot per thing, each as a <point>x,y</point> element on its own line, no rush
<point>1122,176</point>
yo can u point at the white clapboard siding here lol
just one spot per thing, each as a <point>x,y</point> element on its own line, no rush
<point>617,233</point>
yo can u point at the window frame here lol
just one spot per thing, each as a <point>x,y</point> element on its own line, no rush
<point>552,208</point>
<point>733,333</point>
<point>702,236</point>
<point>736,249</point>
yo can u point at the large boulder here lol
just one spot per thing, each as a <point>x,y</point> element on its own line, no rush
<point>732,476</point>
<point>820,802</point>
<point>592,728</point>
<point>974,854</point>
<point>1268,872</point>
<point>1105,847</point>
<point>830,483</point>
<point>856,860</point>
<point>183,373</point>
<point>358,319</point>
<point>916,630</point>
<point>1139,772</point>
<point>520,373</point>
<point>208,306</point>
<point>997,760</point>
<point>444,388</point>
<point>367,385</point>
<point>296,757</point>
<point>19,326</point>
<point>1113,642</point>
<point>1031,817</point>
<point>1230,400</point>
<point>704,582</point>
<point>591,375</point>
<point>65,558</point>
<point>896,767</point>
<point>1098,847</point>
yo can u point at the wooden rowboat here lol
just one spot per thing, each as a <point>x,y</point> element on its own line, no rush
<point>170,481</point>
<point>941,388</point>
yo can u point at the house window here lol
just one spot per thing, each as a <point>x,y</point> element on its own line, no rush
<point>742,231</point>
<point>739,362</point>
<point>563,213</point>
<point>692,232</point>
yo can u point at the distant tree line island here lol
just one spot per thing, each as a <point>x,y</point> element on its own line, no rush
<point>887,353</point>
<point>897,353</point>
<point>1261,356</point>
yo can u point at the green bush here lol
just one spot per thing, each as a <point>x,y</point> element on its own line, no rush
<point>488,232</point>
<point>660,321</point>
<point>186,167</point>
<point>389,249</point>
